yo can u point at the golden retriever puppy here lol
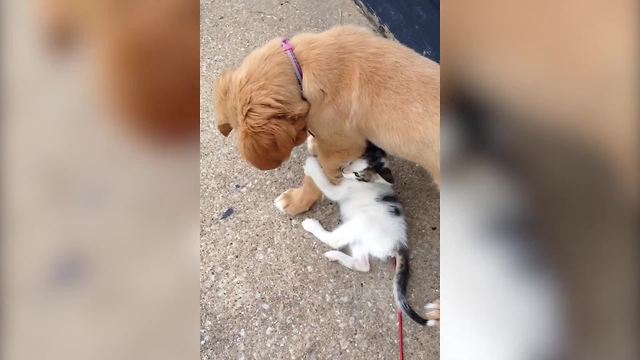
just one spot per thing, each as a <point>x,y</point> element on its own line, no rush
<point>356,87</point>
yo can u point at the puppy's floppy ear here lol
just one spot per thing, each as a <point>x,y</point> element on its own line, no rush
<point>221,102</point>
<point>268,145</point>
<point>385,173</point>
<point>270,132</point>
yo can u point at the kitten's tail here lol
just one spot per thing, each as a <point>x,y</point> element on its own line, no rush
<point>400,285</point>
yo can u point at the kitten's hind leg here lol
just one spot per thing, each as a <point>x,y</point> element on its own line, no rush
<point>357,264</point>
<point>338,238</point>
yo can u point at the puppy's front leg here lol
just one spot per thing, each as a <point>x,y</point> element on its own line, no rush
<point>333,160</point>
<point>297,201</point>
<point>433,314</point>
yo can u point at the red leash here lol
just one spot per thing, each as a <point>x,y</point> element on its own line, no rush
<point>400,344</point>
<point>399,314</point>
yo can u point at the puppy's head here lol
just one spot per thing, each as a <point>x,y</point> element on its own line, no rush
<point>262,103</point>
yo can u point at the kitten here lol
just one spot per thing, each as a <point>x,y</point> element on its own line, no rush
<point>372,220</point>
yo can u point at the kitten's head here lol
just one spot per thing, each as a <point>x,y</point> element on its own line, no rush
<point>371,167</point>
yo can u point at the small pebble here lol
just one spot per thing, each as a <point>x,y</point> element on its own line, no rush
<point>226,214</point>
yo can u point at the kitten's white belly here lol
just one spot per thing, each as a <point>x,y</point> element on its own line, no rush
<point>376,231</point>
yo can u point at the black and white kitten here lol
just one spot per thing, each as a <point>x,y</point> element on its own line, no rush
<point>372,220</point>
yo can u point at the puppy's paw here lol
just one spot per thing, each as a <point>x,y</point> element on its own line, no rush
<point>311,225</point>
<point>281,202</point>
<point>333,255</point>
<point>293,202</point>
<point>312,167</point>
<point>433,313</point>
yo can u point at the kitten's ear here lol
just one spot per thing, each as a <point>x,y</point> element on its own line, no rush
<point>385,173</point>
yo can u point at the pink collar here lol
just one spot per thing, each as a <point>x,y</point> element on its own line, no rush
<point>288,49</point>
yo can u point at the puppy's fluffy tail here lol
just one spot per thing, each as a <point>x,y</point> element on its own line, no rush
<point>400,286</point>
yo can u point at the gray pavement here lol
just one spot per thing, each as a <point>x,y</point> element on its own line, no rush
<point>267,292</point>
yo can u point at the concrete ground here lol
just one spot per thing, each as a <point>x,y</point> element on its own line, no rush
<point>267,292</point>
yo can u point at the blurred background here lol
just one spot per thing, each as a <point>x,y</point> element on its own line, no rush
<point>100,179</point>
<point>539,221</point>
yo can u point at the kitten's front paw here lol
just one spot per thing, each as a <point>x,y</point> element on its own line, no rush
<point>333,255</point>
<point>311,225</point>
<point>312,146</point>
<point>312,166</point>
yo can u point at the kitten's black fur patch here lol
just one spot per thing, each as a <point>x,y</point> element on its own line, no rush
<point>375,158</point>
<point>391,198</point>
<point>393,203</point>
<point>395,210</point>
